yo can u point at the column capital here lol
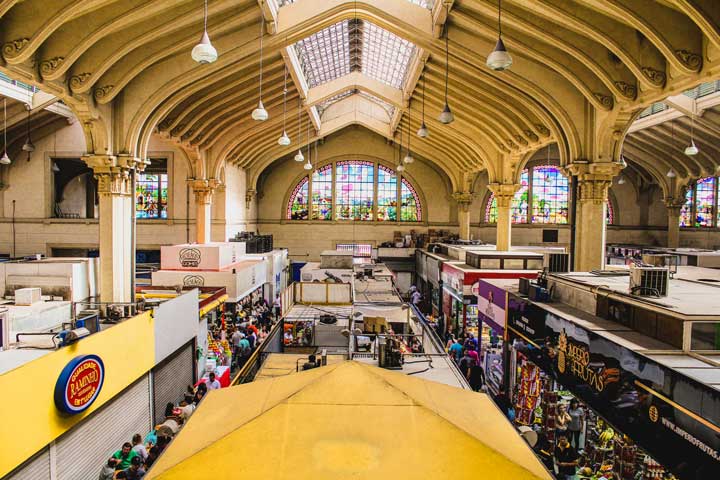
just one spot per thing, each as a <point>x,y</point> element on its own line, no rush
<point>593,171</point>
<point>463,200</point>
<point>504,192</point>
<point>674,205</point>
<point>204,189</point>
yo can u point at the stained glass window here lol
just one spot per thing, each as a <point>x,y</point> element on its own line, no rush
<point>322,193</point>
<point>354,186</point>
<point>519,207</point>
<point>387,195</point>
<point>686,209</point>
<point>410,203</point>
<point>609,213</point>
<point>151,191</point>
<point>549,195</point>
<point>704,202</point>
<point>298,205</point>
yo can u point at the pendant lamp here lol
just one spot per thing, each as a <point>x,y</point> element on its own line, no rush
<point>671,173</point>
<point>423,130</point>
<point>284,140</point>
<point>28,145</point>
<point>621,180</point>
<point>204,52</point>
<point>400,167</point>
<point>691,149</point>
<point>308,165</point>
<point>409,158</point>
<point>55,167</point>
<point>446,116</point>
<point>260,114</point>
<point>299,156</point>
<point>499,59</point>
<point>5,160</point>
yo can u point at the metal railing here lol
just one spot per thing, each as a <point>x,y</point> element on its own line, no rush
<point>254,363</point>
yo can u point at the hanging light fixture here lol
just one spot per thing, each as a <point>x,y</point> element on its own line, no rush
<point>691,149</point>
<point>499,59</point>
<point>28,145</point>
<point>299,156</point>
<point>621,180</point>
<point>423,130</point>
<point>55,167</point>
<point>409,158</point>
<point>308,165</point>
<point>284,140</point>
<point>260,114</point>
<point>400,167</point>
<point>622,162</point>
<point>446,116</point>
<point>671,173</point>
<point>204,52</point>
<point>5,160</point>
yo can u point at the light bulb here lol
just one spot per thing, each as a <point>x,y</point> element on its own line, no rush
<point>299,157</point>
<point>28,147</point>
<point>284,140</point>
<point>423,131</point>
<point>408,158</point>
<point>691,149</point>
<point>499,59</point>
<point>621,181</point>
<point>446,116</point>
<point>204,52</point>
<point>55,167</point>
<point>671,173</point>
<point>260,114</point>
<point>308,165</point>
<point>5,160</point>
<point>400,168</point>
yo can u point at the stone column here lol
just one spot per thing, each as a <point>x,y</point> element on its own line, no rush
<point>504,194</point>
<point>203,190</point>
<point>116,224</point>
<point>594,179</point>
<point>673,230</point>
<point>464,201</point>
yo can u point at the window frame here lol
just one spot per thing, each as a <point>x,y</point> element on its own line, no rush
<point>693,199</point>
<point>168,180</point>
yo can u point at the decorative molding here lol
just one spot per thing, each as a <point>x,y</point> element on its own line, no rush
<point>511,144</point>
<point>531,135</point>
<point>544,131</point>
<point>14,47</point>
<point>77,81</point>
<point>250,194</point>
<point>628,90</point>
<point>47,67</point>
<point>102,92</point>
<point>504,193</point>
<point>594,190</point>
<point>521,140</point>
<point>656,77</point>
<point>605,100</point>
<point>691,60</point>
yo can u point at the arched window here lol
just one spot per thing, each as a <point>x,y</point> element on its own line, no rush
<point>351,190</point>
<point>701,205</point>
<point>545,192</point>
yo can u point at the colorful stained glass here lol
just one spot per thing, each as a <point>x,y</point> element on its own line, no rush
<point>322,193</point>
<point>387,195</point>
<point>609,213</point>
<point>151,195</point>
<point>549,195</point>
<point>704,202</point>
<point>354,187</point>
<point>686,210</point>
<point>519,207</point>
<point>298,205</point>
<point>410,210</point>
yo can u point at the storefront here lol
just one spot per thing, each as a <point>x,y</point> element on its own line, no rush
<point>655,412</point>
<point>428,267</point>
<point>491,298</point>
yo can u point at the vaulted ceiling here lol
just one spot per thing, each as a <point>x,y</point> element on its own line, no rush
<point>582,71</point>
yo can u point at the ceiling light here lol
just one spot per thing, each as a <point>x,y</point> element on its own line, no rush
<point>308,165</point>
<point>5,160</point>
<point>28,145</point>
<point>284,140</point>
<point>423,131</point>
<point>446,115</point>
<point>55,167</point>
<point>204,52</point>
<point>691,149</point>
<point>621,180</point>
<point>622,162</point>
<point>260,114</point>
<point>499,59</point>
<point>400,167</point>
<point>409,158</point>
<point>299,157</point>
<point>671,173</point>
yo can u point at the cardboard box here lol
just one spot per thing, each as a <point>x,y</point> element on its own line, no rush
<point>28,296</point>
<point>213,256</point>
<point>245,277</point>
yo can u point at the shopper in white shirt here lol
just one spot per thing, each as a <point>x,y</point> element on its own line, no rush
<point>213,383</point>
<point>139,447</point>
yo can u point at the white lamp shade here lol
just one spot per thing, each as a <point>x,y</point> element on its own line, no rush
<point>28,147</point>
<point>5,160</point>
<point>671,173</point>
<point>621,181</point>
<point>400,168</point>
<point>308,166</point>
<point>691,149</point>
<point>260,114</point>
<point>299,157</point>
<point>423,131</point>
<point>204,52</point>
<point>408,158</point>
<point>499,59</point>
<point>446,116</point>
<point>284,140</point>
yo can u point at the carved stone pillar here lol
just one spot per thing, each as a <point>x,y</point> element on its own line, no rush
<point>504,194</point>
<point>594,180</point>
<point>116,209</point>
<point>203,190</point>
<point>463,200</point>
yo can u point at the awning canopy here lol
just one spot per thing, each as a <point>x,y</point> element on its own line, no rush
<point>347,421</point>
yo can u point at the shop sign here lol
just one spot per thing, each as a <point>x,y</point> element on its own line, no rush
<point>574,359</point>
<point>79,384</point>
<point>190,257</point>
<point>491,304</point>
<point>655,417</point>
<point>193,281</point>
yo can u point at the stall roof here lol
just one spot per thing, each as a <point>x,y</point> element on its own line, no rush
<point>348,420</point>
<point>375,290</point>
<point>394,313</point>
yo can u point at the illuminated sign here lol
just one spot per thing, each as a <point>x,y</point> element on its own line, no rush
<point>79,384</point>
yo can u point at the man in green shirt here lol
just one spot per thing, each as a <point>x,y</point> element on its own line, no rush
<point>124,456</point>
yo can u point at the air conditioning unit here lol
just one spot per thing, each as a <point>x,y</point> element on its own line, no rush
<point>662,260</point>
<point>647,281</point>
<point>556,262</point>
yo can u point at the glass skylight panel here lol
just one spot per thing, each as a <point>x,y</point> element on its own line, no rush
<point>325,55</point>
<point>322,106</point>
<point>390,109</point>
<point>385,56</point>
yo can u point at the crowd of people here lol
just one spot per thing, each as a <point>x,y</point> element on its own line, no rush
<point>248,327</point>
<point>464,351</point>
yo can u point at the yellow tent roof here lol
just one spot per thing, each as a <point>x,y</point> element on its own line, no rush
<point>347,420</point>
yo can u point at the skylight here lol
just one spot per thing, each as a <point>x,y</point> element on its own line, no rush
<point>385,56</point>
<point>325,55</point>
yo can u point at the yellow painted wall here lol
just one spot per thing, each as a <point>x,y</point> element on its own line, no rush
<point>28,417</point>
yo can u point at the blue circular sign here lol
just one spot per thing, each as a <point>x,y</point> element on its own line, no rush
<point>79,384</point>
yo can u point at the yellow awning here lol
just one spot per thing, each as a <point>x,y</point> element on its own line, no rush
<point>347,420</point>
